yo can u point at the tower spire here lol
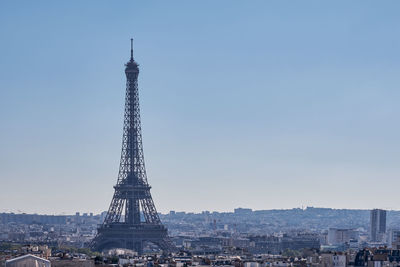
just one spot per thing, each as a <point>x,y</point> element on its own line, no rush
<point>131,49</point>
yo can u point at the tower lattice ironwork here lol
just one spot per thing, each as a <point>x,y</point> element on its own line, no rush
<point>132,217</point>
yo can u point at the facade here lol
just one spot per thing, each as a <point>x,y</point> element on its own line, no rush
<point>393,239</point>
<point>332,260</point>
<point>377,225</point>
<point>72,263</point>
<point>277,245</point>
<point>339,260</point>
<point>341,236</point>
<point>28,260</point>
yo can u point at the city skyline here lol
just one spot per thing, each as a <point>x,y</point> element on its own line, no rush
<point>271,107</point>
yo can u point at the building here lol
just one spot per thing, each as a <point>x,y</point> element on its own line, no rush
<point>333,260</point>
<point>32,218</point>
<point>72,263</point>
<point>377,225</point>
<point>28,260</point>
<point>341,236</point>
<point>339,260</point>
<point>277,245</point>
<point>393,239</point>
<point>242,211</point>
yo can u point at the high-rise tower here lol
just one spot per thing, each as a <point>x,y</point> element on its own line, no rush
<point>132,217</point>
<point>377,225</point>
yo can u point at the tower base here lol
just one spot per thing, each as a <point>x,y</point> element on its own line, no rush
<point>132,236</point>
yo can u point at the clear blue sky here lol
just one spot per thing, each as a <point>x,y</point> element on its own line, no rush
<point>259,104</point>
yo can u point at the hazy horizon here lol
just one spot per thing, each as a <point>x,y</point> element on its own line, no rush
<point>262,105</point>
<point>189,212</point>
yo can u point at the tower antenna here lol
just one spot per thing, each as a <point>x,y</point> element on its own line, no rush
<point>131,48</point>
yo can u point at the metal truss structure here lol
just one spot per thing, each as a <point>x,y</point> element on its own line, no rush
<point>124,227</point>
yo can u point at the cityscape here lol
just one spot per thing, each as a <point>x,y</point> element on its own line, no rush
<point>304,237</point>
<point>133,231</point>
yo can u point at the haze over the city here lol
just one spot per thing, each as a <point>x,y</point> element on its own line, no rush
<point>260,105</point>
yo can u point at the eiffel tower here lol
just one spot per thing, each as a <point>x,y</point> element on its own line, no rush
<point>123,226</point>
